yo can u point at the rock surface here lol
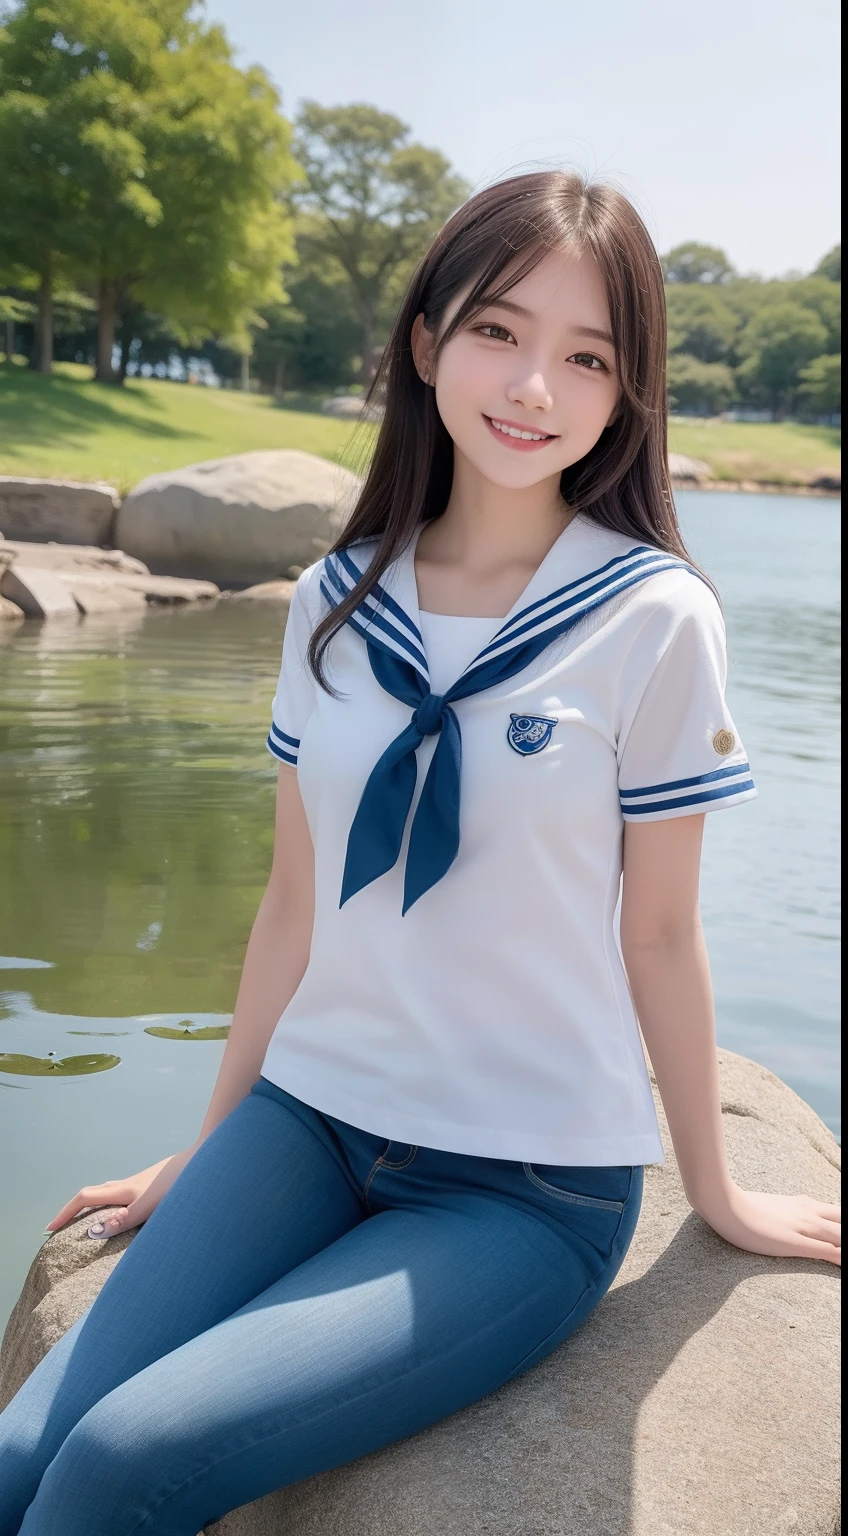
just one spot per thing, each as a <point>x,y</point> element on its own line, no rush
<point>239,520</point>
<point>66,510</point>
<point>266,592</point>
<point>70,557</point>
<point>681,467</point>
<point>352,408</point>
<point>10,610</point>
<point>700,1399</point>
<point>38,593</point>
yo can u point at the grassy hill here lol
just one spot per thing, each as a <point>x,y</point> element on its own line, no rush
<point>68,426</point>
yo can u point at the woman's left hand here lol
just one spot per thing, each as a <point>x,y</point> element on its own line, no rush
<point>786,1226</point>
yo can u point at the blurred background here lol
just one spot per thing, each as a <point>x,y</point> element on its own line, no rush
<point>208,215</point>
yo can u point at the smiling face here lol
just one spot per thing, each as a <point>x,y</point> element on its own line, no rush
<point>527,386</point>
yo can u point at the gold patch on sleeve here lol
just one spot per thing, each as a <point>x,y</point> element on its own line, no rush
<point>724,742</point>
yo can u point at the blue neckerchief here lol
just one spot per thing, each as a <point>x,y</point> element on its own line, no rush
<point>396,653</point>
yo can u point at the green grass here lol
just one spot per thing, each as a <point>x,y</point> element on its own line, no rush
<point>67,426</point>
<point>778,452</point>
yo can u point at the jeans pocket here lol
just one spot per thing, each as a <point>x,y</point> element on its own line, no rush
<point>591,1183</point>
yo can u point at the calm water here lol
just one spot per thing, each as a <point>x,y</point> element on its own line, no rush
<point>136,815</point>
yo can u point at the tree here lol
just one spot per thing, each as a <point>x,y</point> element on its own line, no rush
<point>312,342</point>
<point>700,322</point>
<point>830,265</point>
<point>824,297</point>
<point>780,340</point>
<point>703,389</point>
<point>38,190</point>
<point>820,390</point>
<point>162,168</point>
<point>696,263</point>
<point>371,201</point>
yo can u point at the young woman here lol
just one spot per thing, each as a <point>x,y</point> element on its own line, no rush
<point>422,1162</point>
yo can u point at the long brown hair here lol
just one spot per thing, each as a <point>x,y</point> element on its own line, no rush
<point>622,483</point>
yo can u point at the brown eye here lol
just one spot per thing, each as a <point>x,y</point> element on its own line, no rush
<point>589,360</point>
<point>492,326</point>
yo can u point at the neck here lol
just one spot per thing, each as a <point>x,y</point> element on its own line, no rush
<point>487,527</point>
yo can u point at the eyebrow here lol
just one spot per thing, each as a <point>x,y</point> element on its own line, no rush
<point>526,314</point>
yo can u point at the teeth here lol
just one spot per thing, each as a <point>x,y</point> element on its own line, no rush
<point>529,437</point>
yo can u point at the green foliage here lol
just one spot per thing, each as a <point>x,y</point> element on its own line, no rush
<point>696,263</point>
<point>700,322</point>
<point>820,390</point>
<point>830,265</point>
<point>699,387</point>
<point>370,202</point>
<point>137,157</point>
<point>312,342</point>
<point>776,344</point>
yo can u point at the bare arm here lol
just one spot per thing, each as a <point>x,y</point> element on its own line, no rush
<point>666,961</point>
<point>276,956</point>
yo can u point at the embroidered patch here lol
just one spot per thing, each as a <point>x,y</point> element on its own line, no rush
<point>529,733</point>
<point>724,742</point>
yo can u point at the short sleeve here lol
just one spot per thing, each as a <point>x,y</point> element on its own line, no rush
<point>679,752</point>
<point>295,694</point>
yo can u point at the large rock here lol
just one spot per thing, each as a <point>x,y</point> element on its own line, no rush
<point>687,471</point>
<point>700,1399</point>
<point>38,593</point>
<point>353,408</point>
<point>240,520</point>
<point>69,557</point>
<point>68,511</point>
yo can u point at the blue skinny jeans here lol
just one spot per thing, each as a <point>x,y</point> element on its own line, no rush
<point>304,1293</point>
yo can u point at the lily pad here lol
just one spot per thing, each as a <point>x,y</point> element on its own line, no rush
<point>187,1032</point>
<point>55,1066</point>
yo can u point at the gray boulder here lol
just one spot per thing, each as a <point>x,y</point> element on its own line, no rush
<point>240,520</point>
<point>700,1399</point>
<point>69,511</point>
<point>688,471</point>
<point>38,593</point>
<point>353,408</point>
<point>69,557</point>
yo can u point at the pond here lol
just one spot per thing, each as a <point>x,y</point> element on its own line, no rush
<point>136,826</point>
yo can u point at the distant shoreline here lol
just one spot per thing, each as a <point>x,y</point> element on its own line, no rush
<point>758,488</point>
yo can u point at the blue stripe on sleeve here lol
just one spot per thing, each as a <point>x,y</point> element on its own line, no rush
<point>701,778</point>
<point>285,757</point>
<point>720,792</point>
<point>290,741</point>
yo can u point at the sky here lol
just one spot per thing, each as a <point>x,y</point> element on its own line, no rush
<point>719,120</point>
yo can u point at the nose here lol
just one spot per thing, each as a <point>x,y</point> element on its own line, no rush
<point>531,391</point>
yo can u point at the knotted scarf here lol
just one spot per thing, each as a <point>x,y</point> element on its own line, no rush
<point>396,655</point>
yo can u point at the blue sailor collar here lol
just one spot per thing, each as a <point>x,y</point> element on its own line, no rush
<point>567,585</point>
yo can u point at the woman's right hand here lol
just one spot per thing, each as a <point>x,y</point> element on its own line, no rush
<point>136,1197</point>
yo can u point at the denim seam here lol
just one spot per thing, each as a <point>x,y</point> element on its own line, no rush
<point>403,1164</point>
<point>391,1167</point>
<point>359,1398</point>
<point>572,1199</point>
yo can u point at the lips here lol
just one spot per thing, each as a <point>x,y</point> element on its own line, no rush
<point>522,444</point>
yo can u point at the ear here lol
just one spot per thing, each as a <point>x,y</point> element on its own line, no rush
<point>422,342</point>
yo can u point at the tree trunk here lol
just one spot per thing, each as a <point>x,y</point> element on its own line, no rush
<point>245,371</point>
<point>107,315</point>
<point>10,340</point>
<point>42,352</point>
<point>367,347</point>
<point>125,335</point>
